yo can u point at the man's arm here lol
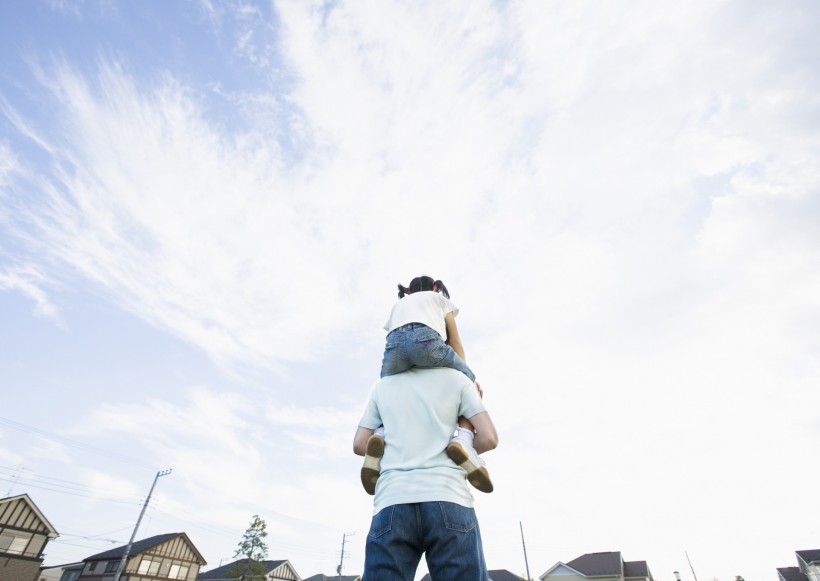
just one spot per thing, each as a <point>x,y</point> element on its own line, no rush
<point>486,438</point>
<point>360,440</point>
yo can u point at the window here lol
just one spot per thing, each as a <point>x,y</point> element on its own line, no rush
<point>112,566</point>
<point>92,566</point>
<point>14,543</point>
<point>178,572</point>
<point>148,567</point>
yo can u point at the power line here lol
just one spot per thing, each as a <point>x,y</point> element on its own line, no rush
<point>71,443</point>
<point>93,497</point>
<point>57,484</point>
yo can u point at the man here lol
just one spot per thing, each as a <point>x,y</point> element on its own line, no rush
<point>422,503</point>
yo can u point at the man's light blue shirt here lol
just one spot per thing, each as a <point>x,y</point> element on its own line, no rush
<point>419,410</point>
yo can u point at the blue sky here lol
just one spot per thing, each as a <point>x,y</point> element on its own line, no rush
<point>205,207</point>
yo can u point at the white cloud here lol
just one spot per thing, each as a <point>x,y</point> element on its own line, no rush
<point>229,447</point>
<point>623,202</point>
<point>28,280</point>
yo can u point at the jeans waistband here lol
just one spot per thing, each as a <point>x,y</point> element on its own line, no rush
<point>408,327</point>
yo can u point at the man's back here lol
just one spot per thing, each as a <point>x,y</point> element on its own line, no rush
<point>423,506</point>
<point>419,410</point>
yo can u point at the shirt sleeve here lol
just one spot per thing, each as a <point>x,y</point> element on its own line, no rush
<point>447,305</point>
<point>371,419</point>
<point>471,403</point>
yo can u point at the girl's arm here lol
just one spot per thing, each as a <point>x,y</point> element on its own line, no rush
<point>453,340</point>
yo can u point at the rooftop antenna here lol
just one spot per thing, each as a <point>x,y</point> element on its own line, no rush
<point>687,558</point>
<point>526,563</point>
<point>137,526</point>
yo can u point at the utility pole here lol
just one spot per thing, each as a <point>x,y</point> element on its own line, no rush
<point>137,526</point>
<point>690,565</point>
<point>342,559</point>
<point>526,563</point>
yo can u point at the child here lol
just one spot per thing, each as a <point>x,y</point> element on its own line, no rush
<point>417,328</point>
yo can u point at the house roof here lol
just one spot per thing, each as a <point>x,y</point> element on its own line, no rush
<point>66,567</point>
<point>223,571</point>
<point>141,546</point>
<point>810,556</point>
<point>791,574</point>
<point>595,564</point>
<point>322,577</point>
<point>52,532</point>
<point>637,569</point>
<point>503,575</point>
<point>495,575</point>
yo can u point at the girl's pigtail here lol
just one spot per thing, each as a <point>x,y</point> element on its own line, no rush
<point>403,291</point>
<point>439,286</point>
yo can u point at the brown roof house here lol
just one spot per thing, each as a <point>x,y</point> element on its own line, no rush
<point>24,532</point>
<point>275,571</point>
<point>808,567</point>
<point>163,557</point>
<point>495,575</point>
<point>608,566</point>
<point>503,575</point>
<point>65,572</point>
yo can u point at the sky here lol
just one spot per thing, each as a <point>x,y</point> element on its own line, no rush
<point>206,205</point>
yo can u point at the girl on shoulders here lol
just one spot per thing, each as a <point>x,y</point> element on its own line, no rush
<point>422,332</point>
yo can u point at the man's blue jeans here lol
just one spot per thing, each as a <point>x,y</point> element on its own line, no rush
<point>446,533</point>
<point>417,345</point>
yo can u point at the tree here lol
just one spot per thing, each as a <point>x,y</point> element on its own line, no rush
<point>254,549</point>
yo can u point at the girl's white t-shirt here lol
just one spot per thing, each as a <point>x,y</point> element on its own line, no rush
<point>426,307</point>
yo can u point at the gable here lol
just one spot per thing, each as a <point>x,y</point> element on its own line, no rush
<point>172,545</point>
<point>20,512</point>
<point>806,558</point>
<point>180,547</point>
<point>284,572</point>
<point>276,571</point>
<point>561,570</point>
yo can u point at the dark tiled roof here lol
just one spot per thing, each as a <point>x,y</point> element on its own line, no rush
<point>495,575</point>
<point>503,575</point>
<point>321,577</point>
<point>636,569</point>
<point>809,556</point>
<point>791,574</point>
<point>592,564</point>
<point>137,547</point>
<point>223,571</point>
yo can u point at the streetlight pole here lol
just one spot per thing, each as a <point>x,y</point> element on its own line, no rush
<point>137,526</point>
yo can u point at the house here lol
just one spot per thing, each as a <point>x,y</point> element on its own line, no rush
<point>808,567</point>
<point>321,577</point>
<point>495,575</point>
<point>24,533</point>
<point>276,571</point>
<point>168,556</point>
<point>68,572</point>
<point>607,566</point>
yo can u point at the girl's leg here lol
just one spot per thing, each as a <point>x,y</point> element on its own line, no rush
<point>395,358</point>
<point>426,348</point>
<point>371,468</point>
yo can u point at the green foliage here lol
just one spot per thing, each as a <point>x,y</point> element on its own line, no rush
<point>253,549</point>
